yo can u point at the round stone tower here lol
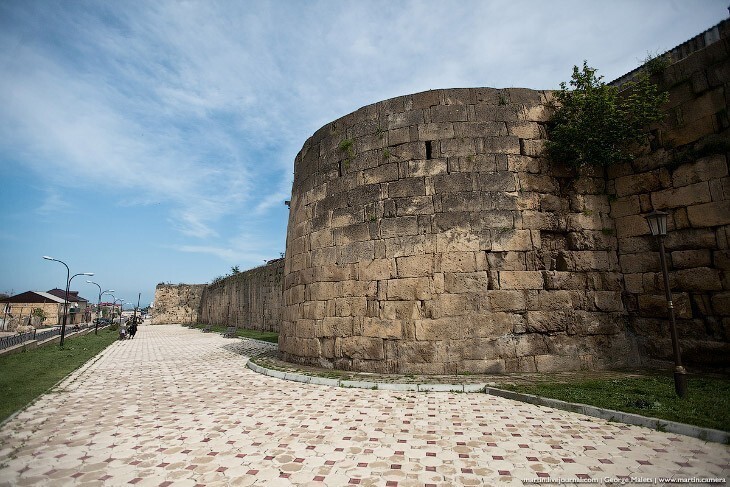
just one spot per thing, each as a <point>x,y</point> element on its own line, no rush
<point>428,235</point>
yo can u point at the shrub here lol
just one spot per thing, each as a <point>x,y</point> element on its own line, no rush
<point>594,124</point>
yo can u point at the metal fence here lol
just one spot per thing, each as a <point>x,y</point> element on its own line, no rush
<point>12,340</point>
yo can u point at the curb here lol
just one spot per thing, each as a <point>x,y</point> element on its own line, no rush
<point>704,434</point>
<point>359,384</point>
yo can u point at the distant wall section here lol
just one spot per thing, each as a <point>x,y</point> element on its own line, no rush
<point>250,299</point>
<point>177,303</point>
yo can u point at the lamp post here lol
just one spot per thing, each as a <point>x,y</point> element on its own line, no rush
<point>658,225</point>
<point>65,297</point>
<point>98,306</point>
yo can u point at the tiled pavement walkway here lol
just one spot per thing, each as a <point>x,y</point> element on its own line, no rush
<point>178,407</point>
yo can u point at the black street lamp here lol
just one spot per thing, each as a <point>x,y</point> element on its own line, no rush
<point>658,225</point>
<point>98,306</point>
<point>65,297</point>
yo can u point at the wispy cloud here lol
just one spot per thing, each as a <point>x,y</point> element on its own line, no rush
<point>53,204</point>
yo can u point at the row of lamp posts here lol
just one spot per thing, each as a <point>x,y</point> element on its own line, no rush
<point>69,278</point>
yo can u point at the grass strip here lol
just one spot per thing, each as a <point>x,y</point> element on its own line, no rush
<point>27,375</point>
<point>266,336</point>
<point>705,405</point>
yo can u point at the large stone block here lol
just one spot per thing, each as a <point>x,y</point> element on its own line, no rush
<point>400,310</point>
<point>414,205</point>
<point>710,214</point>
<point>409,245</point>
<point>501,300</point>
<point>427,167</point>
<point>409,289</point>
<point>706,169</point>
<point>697,279</point>
<point>403,225</point>
<point>363,348</point>
<point>352,233</point>
<point>548,321</point>
<point>637,183</point>
<point>499,181</point>
<point>721,303</point>
<point>382,173</point>
<point>333,326</point>
<point>407,187</point>
<point>376,270</point>
<point>436,131</point>
<point>465,282</point>
<point>382,328</point>
<point>479,129</point>
<point>637,263</point>
<point>356,252</point>
<point>414,265</point>
<point>456,262</point>
<point>631,226</point>
<point>453,183</point>
<point>350,306</point>
<point>684,196</point>
<point>655,306</point>
<point>458,240</point>
<point>521,280</point>
<point>687,259</point>
<point>504,239</point>
<point>443,305</point>
<point>448,328</point>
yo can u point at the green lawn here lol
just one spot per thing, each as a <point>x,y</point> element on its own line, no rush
<point>707,403</point>
<point>267,336</point>
<point>29,374</point>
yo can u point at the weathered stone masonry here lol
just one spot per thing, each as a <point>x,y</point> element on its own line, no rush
<point>177,303</point>
<point>686,174</point>
<point>428,234</point>
<point>250,299</point>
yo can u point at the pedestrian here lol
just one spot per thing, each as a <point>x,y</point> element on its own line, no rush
<point>122,331</point>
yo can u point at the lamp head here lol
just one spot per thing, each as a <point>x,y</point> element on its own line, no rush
<point>657,221</point>
<point>48,258</point>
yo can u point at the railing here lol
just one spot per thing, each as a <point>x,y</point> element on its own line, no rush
<point>12,340</point>
<point>46,334</point>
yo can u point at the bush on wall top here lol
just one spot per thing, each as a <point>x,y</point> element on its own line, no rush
<point>594,124</point>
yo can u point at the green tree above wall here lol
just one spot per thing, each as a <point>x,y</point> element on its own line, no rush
<point>595,124</point>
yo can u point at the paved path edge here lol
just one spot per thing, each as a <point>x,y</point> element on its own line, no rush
<point>705,434</point>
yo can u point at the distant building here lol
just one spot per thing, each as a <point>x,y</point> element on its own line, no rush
<point>33,308</point>
<point>79,310</point>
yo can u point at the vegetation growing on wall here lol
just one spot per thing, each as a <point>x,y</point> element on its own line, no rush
<point>594,124</point>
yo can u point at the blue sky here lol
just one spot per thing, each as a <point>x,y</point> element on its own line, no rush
<point>151,141</point>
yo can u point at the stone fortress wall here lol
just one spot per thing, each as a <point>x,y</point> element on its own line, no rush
<point>177,303</point>
<point>428,234</point>
<point>250,299</point>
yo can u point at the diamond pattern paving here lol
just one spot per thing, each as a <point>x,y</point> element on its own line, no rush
<point>176,407</point>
